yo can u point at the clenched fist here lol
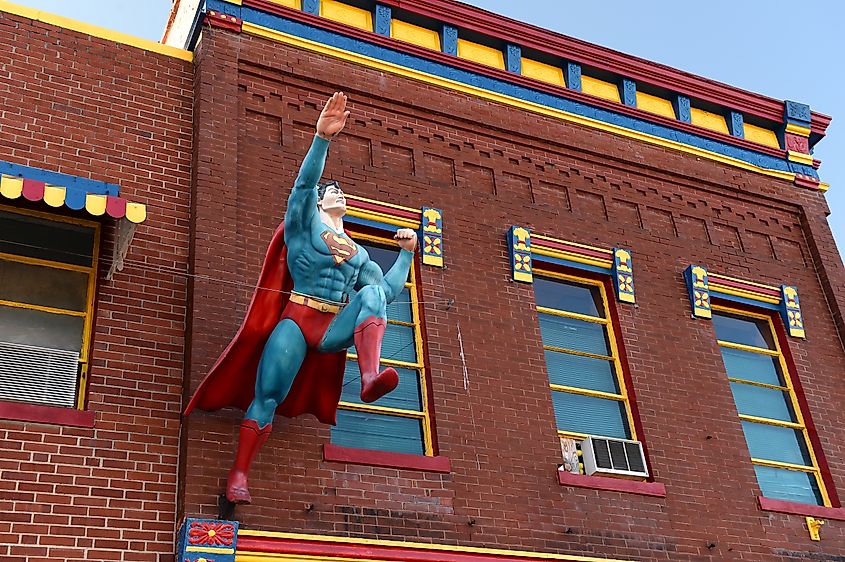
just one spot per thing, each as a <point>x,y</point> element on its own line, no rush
<point>406,238</point>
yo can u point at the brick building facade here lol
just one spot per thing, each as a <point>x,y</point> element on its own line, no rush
<point>588,150</point>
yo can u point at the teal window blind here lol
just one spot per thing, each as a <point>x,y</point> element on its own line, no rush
<point>582,359</point>
<point>397,422</point>
<point>772,421</point>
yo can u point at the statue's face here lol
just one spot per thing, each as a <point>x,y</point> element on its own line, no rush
<point>333,201</point>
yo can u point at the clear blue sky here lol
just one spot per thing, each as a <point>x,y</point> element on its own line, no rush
<point>758,45</point>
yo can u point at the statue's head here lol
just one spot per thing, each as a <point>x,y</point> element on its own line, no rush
<point>330,198</point>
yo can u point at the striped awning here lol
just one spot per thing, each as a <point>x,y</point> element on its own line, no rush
<point>13,187</point>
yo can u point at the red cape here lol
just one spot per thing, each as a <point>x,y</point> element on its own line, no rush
<point>231,381</point>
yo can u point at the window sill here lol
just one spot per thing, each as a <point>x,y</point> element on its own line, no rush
<point>794,508</point>
<point>655,489</point>
<point>336,453</point>
<point>53,415</point>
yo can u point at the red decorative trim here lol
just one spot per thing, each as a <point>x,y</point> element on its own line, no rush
<point>807,182</point>
<point>599,253</point>
<point>327,550</point>
<point>223,21</point>
<point>355,203</point>
<point>793,508</point>
<point>336,453</point>
<point>655,489</point>
<point>517,78</point>
<point>716,278</point>
<point>526,35</point>
<point>46,414</point>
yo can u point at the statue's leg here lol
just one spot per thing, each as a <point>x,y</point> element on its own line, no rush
<point>363,321</point>
<point>280,361</point>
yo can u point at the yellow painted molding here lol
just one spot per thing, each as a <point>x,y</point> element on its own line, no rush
<point>800,157</point>
<point>370,62</point>
<point>481,54</point>
<point>600,88</point>
<point>95,31</point>
<point>656,105</point>
<point>823,186</point>
<point>410,33</point>
<point>344,13</point>
<point>798,130</point>
<point>543,72</point>
<point>416,545</point>
<point>237,2</point>
<point>761,135</point>
<point>708,120</point>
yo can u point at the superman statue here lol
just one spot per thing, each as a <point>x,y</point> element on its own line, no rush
<point>318,293</point>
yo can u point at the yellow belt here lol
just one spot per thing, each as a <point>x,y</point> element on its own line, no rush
<point>316,304</point>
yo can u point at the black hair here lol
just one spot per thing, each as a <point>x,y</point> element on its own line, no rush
<point>322,187</point>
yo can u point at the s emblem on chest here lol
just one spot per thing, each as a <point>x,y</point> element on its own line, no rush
<point>340,247</point>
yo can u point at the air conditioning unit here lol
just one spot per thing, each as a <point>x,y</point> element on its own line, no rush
<point>613,457</point>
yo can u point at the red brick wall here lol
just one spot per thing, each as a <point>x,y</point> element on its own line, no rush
<point>489,166</point>
<point>93,108</point>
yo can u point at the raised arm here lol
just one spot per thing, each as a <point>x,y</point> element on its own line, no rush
<point>393,281</point>
<point>302,203</point>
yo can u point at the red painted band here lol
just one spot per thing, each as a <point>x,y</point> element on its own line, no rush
<point>768,504</point>
<point>655,489</point>
<point>506,76</point>
<point>715,278</point>
<point>367,206</point>
<point>46,414</point>
<point>598,253</point>
<point>328,550</point>
<point>336,453</point>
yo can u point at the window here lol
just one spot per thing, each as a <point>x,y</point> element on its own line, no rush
<point>765,399</point>
<point>399,421</point>
<point>47,280</point>
<point>582,358</point>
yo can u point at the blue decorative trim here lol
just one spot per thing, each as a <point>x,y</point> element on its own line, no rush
<point>311,7</point>
<point>798,113</point>
<point>682,108</point>
<point>80,185</point>
<point>628,92</point>
<point>573,76</point>
<point>384,14</point>
<point>448,40</point>
<point>735,123</point>
<point>496,85</point>
<point>514,58</point>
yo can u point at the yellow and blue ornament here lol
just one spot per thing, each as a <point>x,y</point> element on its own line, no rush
<point>790,310</point>
<point>623,275</point>
<point>519,248</point>
<point>698,287</point>
<point>432,236</point>
<point>208,540</point>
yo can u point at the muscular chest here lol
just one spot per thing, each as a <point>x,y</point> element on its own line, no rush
<point>337,250</point>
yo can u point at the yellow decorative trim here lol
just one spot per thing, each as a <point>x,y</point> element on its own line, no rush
<point>381,203</point>
<point>823,186</point>
<point>381,217</point>
<point>11,187</point>
<point>814,526</point>
<point>54,195</point>
<point>436,261</point>
<point>95,31</point>
<point>746,282</point>
<point>370,62</point>
<point>295,4</point>
<point>240,2</point>
<point>761,135</point>
<point>656,105</point>
<point>568,256</point>
<point>210,549</point>
<point>600,88</point>
<point>543,72</point>
<point>798,130</point>
<point>708,120</point>
<point>410,33</point>
<point>481,54</point>
<point>408,545</point>
<point>800,157</point>
<point>344,13</point>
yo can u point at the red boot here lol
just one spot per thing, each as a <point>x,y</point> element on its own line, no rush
<point>368,336</point>
<point>250,440</point>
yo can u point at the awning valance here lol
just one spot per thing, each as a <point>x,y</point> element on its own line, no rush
<point>13,187</point>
